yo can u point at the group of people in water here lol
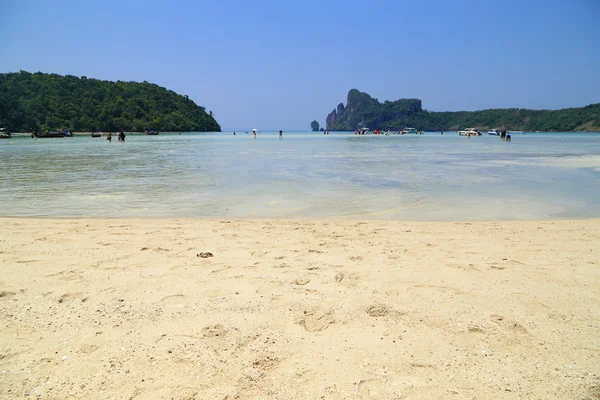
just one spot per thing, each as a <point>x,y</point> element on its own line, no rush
<point>254,134</point>
<point>504,135</point>
<point>120,136</point>
<point>386,133</point>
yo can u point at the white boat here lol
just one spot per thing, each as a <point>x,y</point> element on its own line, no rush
<point>493,133</point>
<point>409,130</point>
<point>469,132</point>
<point>4,134</point>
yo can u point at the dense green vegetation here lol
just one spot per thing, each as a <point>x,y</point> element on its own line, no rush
<point>314,126</point>
<point>50,101</point>
<point>364,111</point>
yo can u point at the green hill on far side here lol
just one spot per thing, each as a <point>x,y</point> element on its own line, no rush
<point>361,110</point>
<point>51,101</point>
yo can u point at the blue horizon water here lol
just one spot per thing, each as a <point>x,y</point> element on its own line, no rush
<point>304,175</point>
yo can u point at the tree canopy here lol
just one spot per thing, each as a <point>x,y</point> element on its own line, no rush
<point>364,111</point>
<point>51,101</point>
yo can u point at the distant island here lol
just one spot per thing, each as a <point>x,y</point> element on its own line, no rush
<point>42,101</point>
<point>363,111</point>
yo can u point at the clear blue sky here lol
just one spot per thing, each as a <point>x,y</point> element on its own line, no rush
<point>281,64</point>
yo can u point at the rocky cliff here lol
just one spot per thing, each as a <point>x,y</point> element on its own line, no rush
<point>363,111</point>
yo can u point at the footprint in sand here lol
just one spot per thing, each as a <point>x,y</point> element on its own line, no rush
<point>349,280</point>
<point>6,294</point>
<point>339,276</point>
<point>497,318</point>
<point>67,275</point>
<point>304,376</point>
<point>316,319</point>
<point>517,327</point>
<point>69,296</point>
<point>174,300</point>
<point>88,348</point>
<point>217,330</point>
<point>476,329</point>
<point>171,297</point>
<point>512,326</point>
<point>265,363</point>
<point>301,281</point>
<point>378,310</point>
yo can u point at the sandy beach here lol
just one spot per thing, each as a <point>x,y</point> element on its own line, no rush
<point>299,309</point>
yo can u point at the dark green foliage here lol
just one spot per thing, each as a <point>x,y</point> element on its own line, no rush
<point>50,101</point>
<point>314,126</point>
<point>364,111</point>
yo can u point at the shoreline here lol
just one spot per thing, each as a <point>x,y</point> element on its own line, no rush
<point>309,219</point>
<point>299,219</point>
<point>19,134</point>
<point>285,308</point>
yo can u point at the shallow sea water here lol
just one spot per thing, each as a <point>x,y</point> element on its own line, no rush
<point>304,175</point>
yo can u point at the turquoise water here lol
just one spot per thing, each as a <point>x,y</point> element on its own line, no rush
<point>429,177</point>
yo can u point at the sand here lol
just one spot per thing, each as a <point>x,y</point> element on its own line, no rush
<point>296,309</point>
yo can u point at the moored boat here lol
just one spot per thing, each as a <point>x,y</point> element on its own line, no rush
<point>52,134</point>
<point>493,133</point>
<point>4,134</point>
<point>151,132</point>
<point>469,132</point>
<point>96,134</point>
<point>409,131</point>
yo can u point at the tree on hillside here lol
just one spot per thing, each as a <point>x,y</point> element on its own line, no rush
<point>51,101</point>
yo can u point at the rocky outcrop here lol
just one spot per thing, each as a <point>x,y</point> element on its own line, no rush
<point>363,111</point>
<point>331,120</point>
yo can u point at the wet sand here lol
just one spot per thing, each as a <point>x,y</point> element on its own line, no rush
<point>291,309</point>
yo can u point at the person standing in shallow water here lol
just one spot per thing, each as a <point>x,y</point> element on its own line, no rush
<point>280,134</point>
<point>109,137</point>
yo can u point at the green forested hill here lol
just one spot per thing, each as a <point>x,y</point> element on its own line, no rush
<point>50,101</point>
<point>362,110</point>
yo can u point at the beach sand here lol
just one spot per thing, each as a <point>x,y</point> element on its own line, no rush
<point>299,309</point>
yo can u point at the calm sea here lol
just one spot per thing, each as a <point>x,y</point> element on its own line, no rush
<point>218,175</point>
